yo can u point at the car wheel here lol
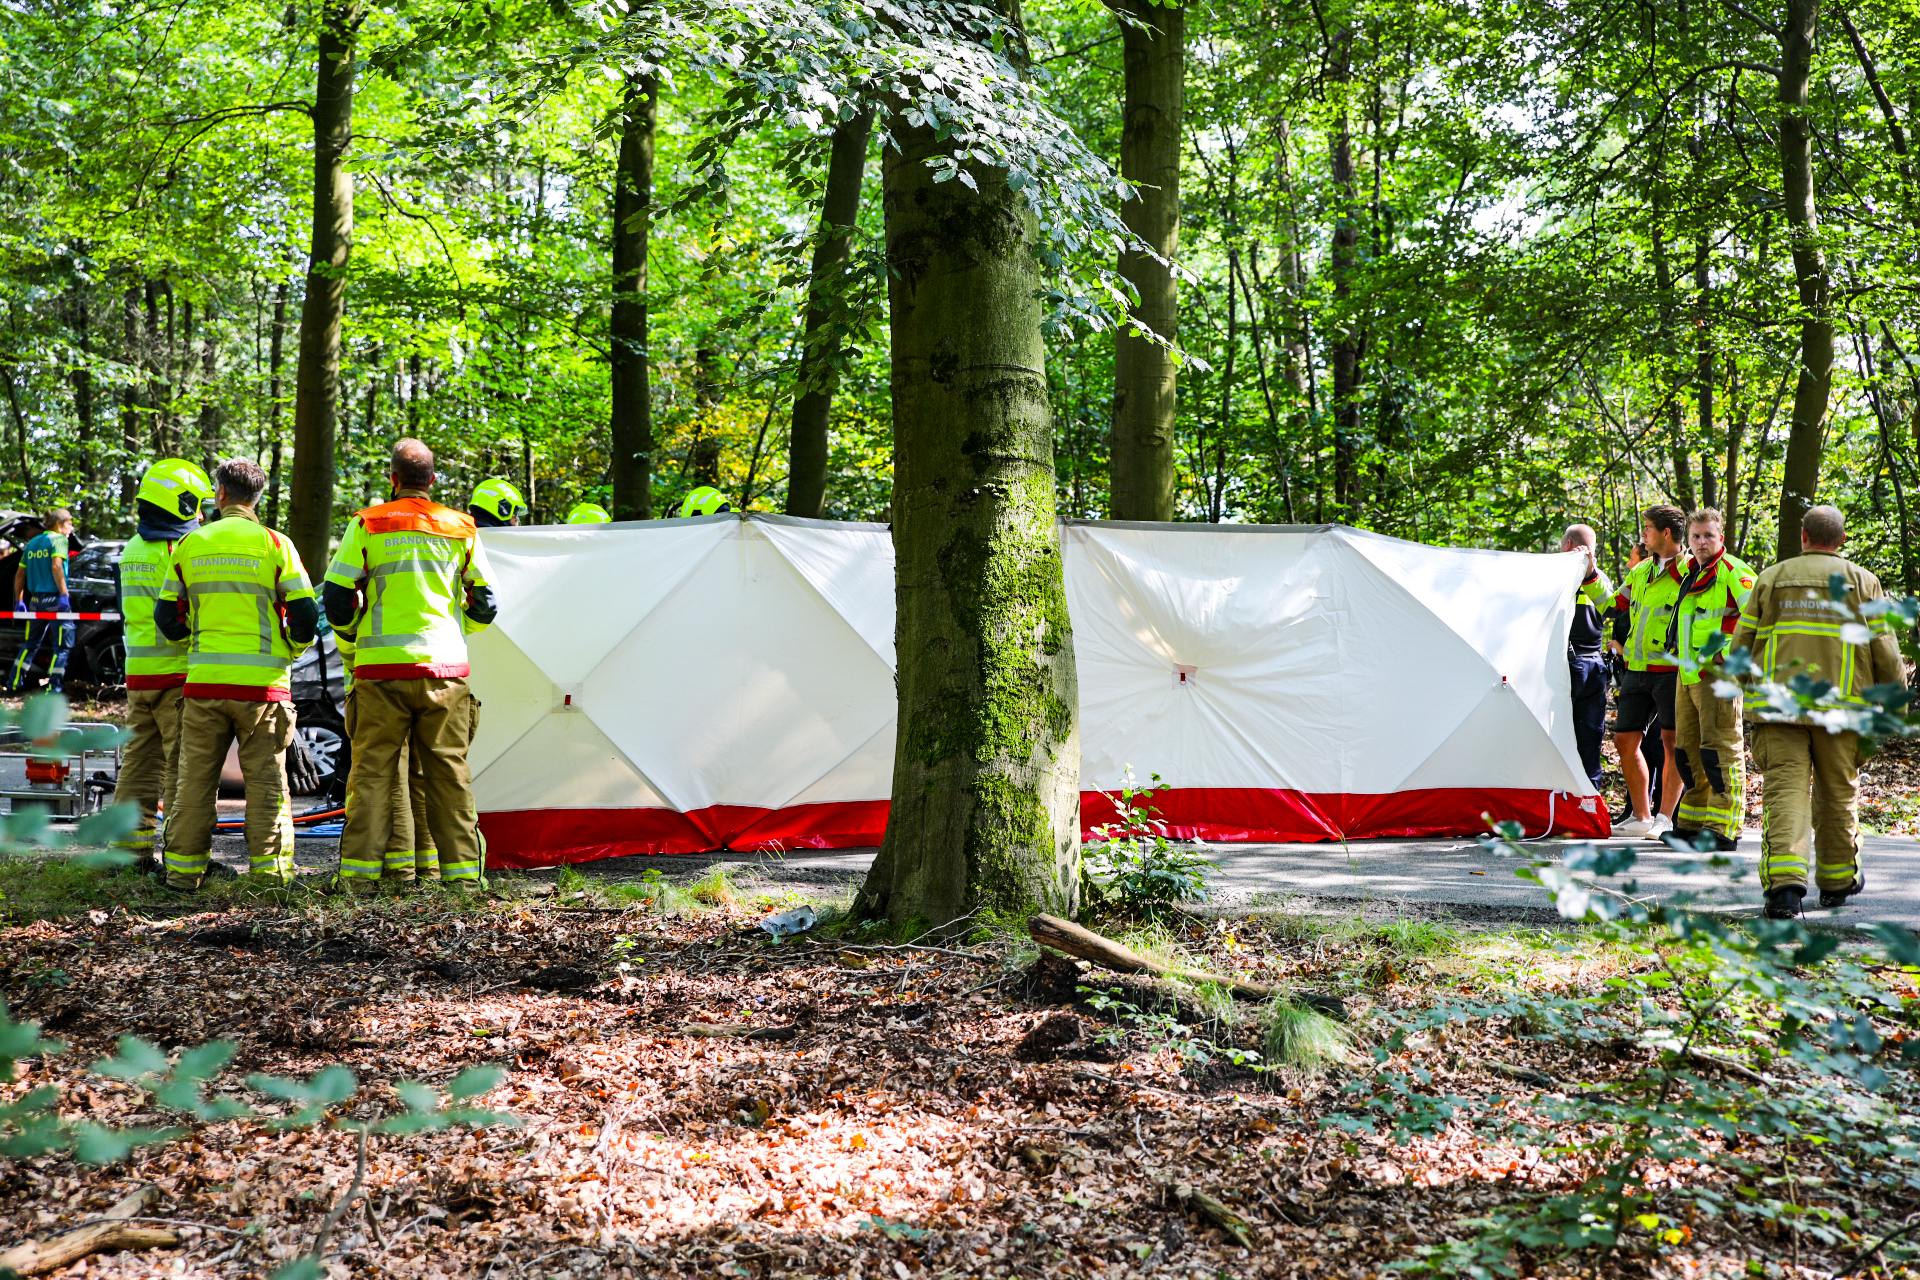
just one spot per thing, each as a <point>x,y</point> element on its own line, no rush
<point>106,661</point>
<point>328,747</point>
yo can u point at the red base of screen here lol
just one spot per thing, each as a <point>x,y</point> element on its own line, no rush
<point>549,837</point>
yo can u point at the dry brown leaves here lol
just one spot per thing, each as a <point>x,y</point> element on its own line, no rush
<point>893,1135</point>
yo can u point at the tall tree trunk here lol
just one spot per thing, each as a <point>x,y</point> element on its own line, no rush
<point>276,365</point>
<point>316,379</point>
<point>130,433</point>
<point>413,394</point>
<point>820,356</point>
<point>211,416</point>
<point>1347,348</point>
<point>80,378</point>
<point>1703,371</point>
<point>1806,437</point>
<point>20,434</point>
<point>154,356</point>
<point>986,781</point>
<point>631,434</point>
<point>1153,40</point>
<point>1736,436</point>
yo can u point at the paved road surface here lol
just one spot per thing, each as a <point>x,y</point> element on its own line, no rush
<point>1374,878</point>
<point>1382,876</point>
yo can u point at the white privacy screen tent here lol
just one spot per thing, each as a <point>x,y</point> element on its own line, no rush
<point>727,682</point>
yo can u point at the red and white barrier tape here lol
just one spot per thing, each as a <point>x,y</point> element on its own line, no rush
<point>66,617</point>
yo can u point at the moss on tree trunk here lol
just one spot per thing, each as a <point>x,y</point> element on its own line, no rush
<point>986,781</point>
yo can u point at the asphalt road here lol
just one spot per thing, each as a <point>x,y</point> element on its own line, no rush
<point>1376,879</point>
<point>1388,877</point>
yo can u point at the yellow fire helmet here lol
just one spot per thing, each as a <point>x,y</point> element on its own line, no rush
<point>499,499</point>
<point>176,486</point>
<point>703,501</point>
<point>588,513</point>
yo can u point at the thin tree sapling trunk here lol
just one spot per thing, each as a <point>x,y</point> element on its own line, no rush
<point>986,782</point>
<point>631,428</point>
<point>316,384</point>
<point>1153,40</point>
<point>1347,343</point>
<point>276,366</point>
<point>130,433</point>
<point>210,413</point>
<point>820,356</point>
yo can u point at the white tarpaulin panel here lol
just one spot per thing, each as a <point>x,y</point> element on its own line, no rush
<point>690,684</point>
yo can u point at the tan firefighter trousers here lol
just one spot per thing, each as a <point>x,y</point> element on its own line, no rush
<point>1809,797</point>
<point>1712,759</point>
<point>207,726</point>
<point>150,760</point>
<point>401,728</point>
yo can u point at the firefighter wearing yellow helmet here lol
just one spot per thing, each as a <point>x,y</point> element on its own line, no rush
<point>588,513</point>
<point>496,504</point>
<point>704,501</point>
<point>238,589</point>
<point>169,499</point>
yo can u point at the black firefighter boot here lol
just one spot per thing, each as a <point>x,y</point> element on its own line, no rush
<point>1783,901</point>
<point>1833,898</point>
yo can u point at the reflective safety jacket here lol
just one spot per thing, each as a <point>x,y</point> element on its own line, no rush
<point>416,564</point>
<point>235,577</point>
<point>1646,598</point>
<point>1793,625</point>
<point>1710,604</point>
<point>153,661</point>
<point>1591,600</point>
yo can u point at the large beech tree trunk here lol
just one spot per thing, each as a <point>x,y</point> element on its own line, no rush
<point>986,781</point>
<point>1807,436</point>
<point>819,371</point>
<point>1153,41</point>
<point>631,434</point>
<point>316,380</point>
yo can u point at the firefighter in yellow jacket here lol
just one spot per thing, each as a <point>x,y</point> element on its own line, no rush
<point>239,591</point>
<point>1708,750</point>
<point>169,499</point>
<point>1792,625</point>
<point>409,581</point>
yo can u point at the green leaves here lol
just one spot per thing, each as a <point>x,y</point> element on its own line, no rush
<point>312,1098</point>
<point>31,1125</point>
<point>426,1109</point>
<point>21,1040</point>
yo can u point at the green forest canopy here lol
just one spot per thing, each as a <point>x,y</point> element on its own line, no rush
<point>1454,272</point>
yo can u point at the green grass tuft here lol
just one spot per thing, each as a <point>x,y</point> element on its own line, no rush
<point>1302,1038</point>
<point>1419,937</point>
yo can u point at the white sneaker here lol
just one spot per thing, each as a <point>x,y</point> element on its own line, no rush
<point>1661,825</point>
<point>1633,827</point>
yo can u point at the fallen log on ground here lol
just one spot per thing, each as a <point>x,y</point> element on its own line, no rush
<point>37,1257</point>
<point>1064,935</point>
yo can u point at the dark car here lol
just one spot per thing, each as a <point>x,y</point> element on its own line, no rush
<point>100,652</point>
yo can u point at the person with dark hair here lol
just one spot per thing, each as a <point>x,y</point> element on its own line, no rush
<point>40,586</point>
<point>238,590</point>
<point>1644,607</point>
<point>1709,754</point>
<point>409,581</point>
<point>1586,667</point>
<point>1811,763</point>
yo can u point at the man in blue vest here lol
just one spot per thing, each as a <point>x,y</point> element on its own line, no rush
<point>40,586</point>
